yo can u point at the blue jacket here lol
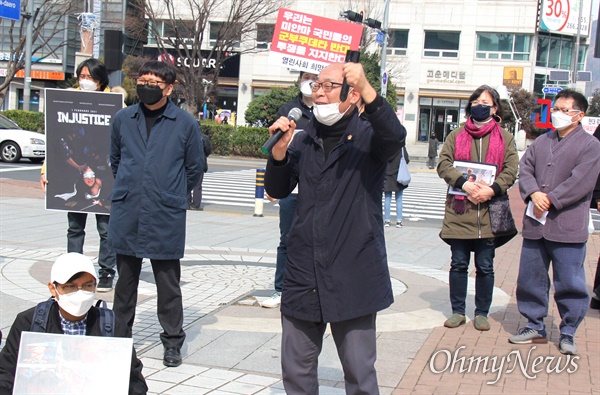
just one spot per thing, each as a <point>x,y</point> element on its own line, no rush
<point>152,178</point>
<point>337,261</point>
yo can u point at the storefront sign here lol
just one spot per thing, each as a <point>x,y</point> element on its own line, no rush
<point>230,67</point>
<point>425,101</point>
<point>446,77</point>
<point>38,75</point>
<point>310,42</point>
<point>446,102</point>
<point>513,77</point>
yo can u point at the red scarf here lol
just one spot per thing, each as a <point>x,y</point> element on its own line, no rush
<point>495,151</point>
<point>462,151</point>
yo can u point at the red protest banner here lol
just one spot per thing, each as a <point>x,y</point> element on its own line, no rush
<point>309,42</point>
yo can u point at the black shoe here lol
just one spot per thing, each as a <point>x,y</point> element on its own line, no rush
<point>172,357</point>
<point>105,284</point>
<point>595,304</point>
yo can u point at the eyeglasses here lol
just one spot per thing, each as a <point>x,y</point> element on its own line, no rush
<point>563,110</point>
<point>327,86</point>
<point>70,288</point>
<point>141,81</point>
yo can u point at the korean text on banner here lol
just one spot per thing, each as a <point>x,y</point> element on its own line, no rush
<point>309,42</point>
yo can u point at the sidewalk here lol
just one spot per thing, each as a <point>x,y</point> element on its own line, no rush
<point>232,345</point>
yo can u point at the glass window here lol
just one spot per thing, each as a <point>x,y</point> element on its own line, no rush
<point>566,54</point>
<point>228,35</point>
<point>264,35</point>
<point>397,42</point>
<point>441,44</point>
<point>556,52</point>
<point>503,46</point>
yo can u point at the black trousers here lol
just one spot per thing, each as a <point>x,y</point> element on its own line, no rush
<point>301,344</point>
<point>167,274</point>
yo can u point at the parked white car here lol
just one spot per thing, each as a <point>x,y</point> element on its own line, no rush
<point>16,143</point>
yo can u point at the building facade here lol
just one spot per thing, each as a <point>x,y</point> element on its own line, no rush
<point>438,53</point>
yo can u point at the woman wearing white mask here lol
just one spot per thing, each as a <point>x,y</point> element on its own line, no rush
<point>92,76</point>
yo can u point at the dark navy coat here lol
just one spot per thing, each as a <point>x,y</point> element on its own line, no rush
<point>152,179</point>
<point>337,261</point>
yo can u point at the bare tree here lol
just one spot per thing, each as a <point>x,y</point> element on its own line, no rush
<point>183,26</point>
<point>48,39</point>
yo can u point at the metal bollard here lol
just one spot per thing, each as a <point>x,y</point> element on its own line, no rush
<point>260,193</point>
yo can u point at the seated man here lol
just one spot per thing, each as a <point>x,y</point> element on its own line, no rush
<point>73,282</point>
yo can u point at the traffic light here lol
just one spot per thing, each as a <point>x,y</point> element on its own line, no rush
<point>373,23</point>
<point>352,16</point>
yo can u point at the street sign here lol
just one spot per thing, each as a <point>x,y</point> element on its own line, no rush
<point>552,90</point>
<point>10,9</point>
<point>384,80</point>
<point>379,38</point>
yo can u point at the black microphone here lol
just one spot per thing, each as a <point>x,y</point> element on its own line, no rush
<point>294,115</point>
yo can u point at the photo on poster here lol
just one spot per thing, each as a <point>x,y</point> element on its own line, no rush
<point>50,363</point>
<point>78,148</point>
<point>474,172</point>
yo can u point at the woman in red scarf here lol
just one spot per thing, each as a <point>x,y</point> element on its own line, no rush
<point>466,227</point>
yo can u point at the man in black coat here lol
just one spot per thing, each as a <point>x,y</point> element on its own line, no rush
<point>73,282</point>
<point>336,272</point>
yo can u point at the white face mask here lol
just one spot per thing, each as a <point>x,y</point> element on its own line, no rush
<point>88,85</point>
<point>306,89</point>
<point>76,303</point>
<point>328,114</point>
<point>561,120</point>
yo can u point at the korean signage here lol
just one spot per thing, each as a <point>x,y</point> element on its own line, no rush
<point>309,42</point>
<point>560,16</point>
<point>10,9</point>
<point>590,124</point>
<point>513,77</point>
<point>446,76</point>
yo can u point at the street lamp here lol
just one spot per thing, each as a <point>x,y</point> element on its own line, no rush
<point>518,133</point>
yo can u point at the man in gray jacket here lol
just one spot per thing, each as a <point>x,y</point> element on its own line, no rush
<point>556,179</point>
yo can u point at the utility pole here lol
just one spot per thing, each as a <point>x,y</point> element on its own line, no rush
<point>29,33</point>
<point>575,55</point>
<point>384,77</point>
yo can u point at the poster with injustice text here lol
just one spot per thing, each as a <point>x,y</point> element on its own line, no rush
<point>77,149</point>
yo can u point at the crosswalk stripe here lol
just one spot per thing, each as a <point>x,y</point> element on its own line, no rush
<point>424,198</point>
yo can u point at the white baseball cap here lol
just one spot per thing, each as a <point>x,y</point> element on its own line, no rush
<point>68,265</point>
